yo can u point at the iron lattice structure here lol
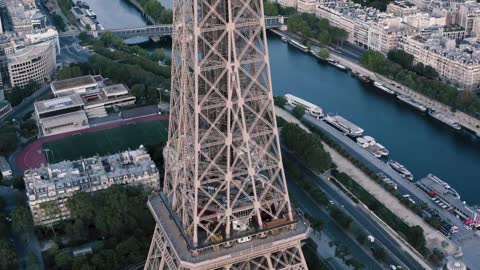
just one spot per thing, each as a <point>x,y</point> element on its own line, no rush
<point>224,177</point>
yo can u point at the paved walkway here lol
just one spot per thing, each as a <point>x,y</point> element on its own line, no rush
<point>32,155</point>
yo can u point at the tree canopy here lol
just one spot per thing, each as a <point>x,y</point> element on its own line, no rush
<point>306,146</point>
<point>313,27</point>
<point>463,100</point>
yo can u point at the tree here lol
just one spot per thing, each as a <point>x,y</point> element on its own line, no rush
<point>416,237</point>
<point>8,139</point>
<point>379,254</point>
<point>22,220</point>
<point>298,112</point>
<point>362,239</point>
<point>339,35</point>
<point>28,128</point>
<point>323,53</point>
<point>269,8</point>
<point>280,101</point>
<point>340,217</point>
<point>32,261</point>
<point>58,22</point>
<point>402,58</point>
<point>8,256</point>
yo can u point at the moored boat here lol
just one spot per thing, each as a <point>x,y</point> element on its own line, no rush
<point>383,88</point>
<point>400,169</point>
<point>412,103</point>
<point>347,127</point>
<point>310,108</point>
<point>444,119</point>
<point>298,45</point>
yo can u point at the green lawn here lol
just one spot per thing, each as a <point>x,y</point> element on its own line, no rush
<point>108,141</point>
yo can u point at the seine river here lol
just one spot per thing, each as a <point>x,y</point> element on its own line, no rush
<point>420,143</point>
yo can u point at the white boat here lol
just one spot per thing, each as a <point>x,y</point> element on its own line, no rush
<point>336,64</point>
<point>370,140</point>
<point>310,108</point>
<point>412,103</point>
<point>382,87</point>
<point>400,169</point>
<point>373,149</point>
<point>362,142</point>
<point>444,184</point>
<point>296,44</point>
<point>384,151</point>
<point>284,39</point>
<point>344,125</point>
<point>444,119</point>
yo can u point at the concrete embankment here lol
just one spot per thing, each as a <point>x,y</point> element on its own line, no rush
<point>140,8</point>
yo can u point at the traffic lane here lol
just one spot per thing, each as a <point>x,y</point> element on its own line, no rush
<point>332,229</point>
<point>365,220</point>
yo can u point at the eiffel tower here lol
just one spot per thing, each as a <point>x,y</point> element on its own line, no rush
<point>225,203</point>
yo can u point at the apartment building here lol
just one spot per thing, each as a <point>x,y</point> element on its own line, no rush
<point>288,3</point>
<point>307,6</point>
<point>402,8</point>
<point>468,15</point>
<point>49,188</point>
<point>366,27</point>
<point>457,66</point>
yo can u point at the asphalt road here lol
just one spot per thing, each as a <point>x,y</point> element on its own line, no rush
<point>331,228</point>
<point>395,253</point>
<point>71,51</point>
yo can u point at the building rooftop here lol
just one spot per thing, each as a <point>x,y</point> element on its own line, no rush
<point>74,82</point>
<point>79,117</point>
<point>58,103</point>
<point>27,53</point>
<point>54,178</point>
<point>115,90</point>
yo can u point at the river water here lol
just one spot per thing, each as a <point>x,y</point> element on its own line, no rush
<point>420,143</point>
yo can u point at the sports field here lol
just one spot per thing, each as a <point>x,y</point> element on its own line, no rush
<point>107,141</point>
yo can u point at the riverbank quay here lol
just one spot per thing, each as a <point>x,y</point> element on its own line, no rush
<point>397,246</point>
<point>140,8</point>
<point>471,124</point>
<point>465,241</point>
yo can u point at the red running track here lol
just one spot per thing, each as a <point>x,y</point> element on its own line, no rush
<point>32,155</point>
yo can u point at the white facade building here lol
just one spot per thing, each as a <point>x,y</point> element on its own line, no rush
<point>49,188</point>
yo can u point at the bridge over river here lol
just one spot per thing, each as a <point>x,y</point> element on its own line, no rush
<point>160,30</point>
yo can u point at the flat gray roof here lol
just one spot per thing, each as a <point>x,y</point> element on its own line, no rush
<point>74,82</point>
<point>116,89</point>
<point>58,103</point>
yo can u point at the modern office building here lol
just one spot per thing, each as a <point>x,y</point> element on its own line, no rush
<point>60,115</point>
<point>48,188</point>
<point>78,85</point>
<point>32,63</point>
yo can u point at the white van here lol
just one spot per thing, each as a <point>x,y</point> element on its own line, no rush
<point>244,239</point>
